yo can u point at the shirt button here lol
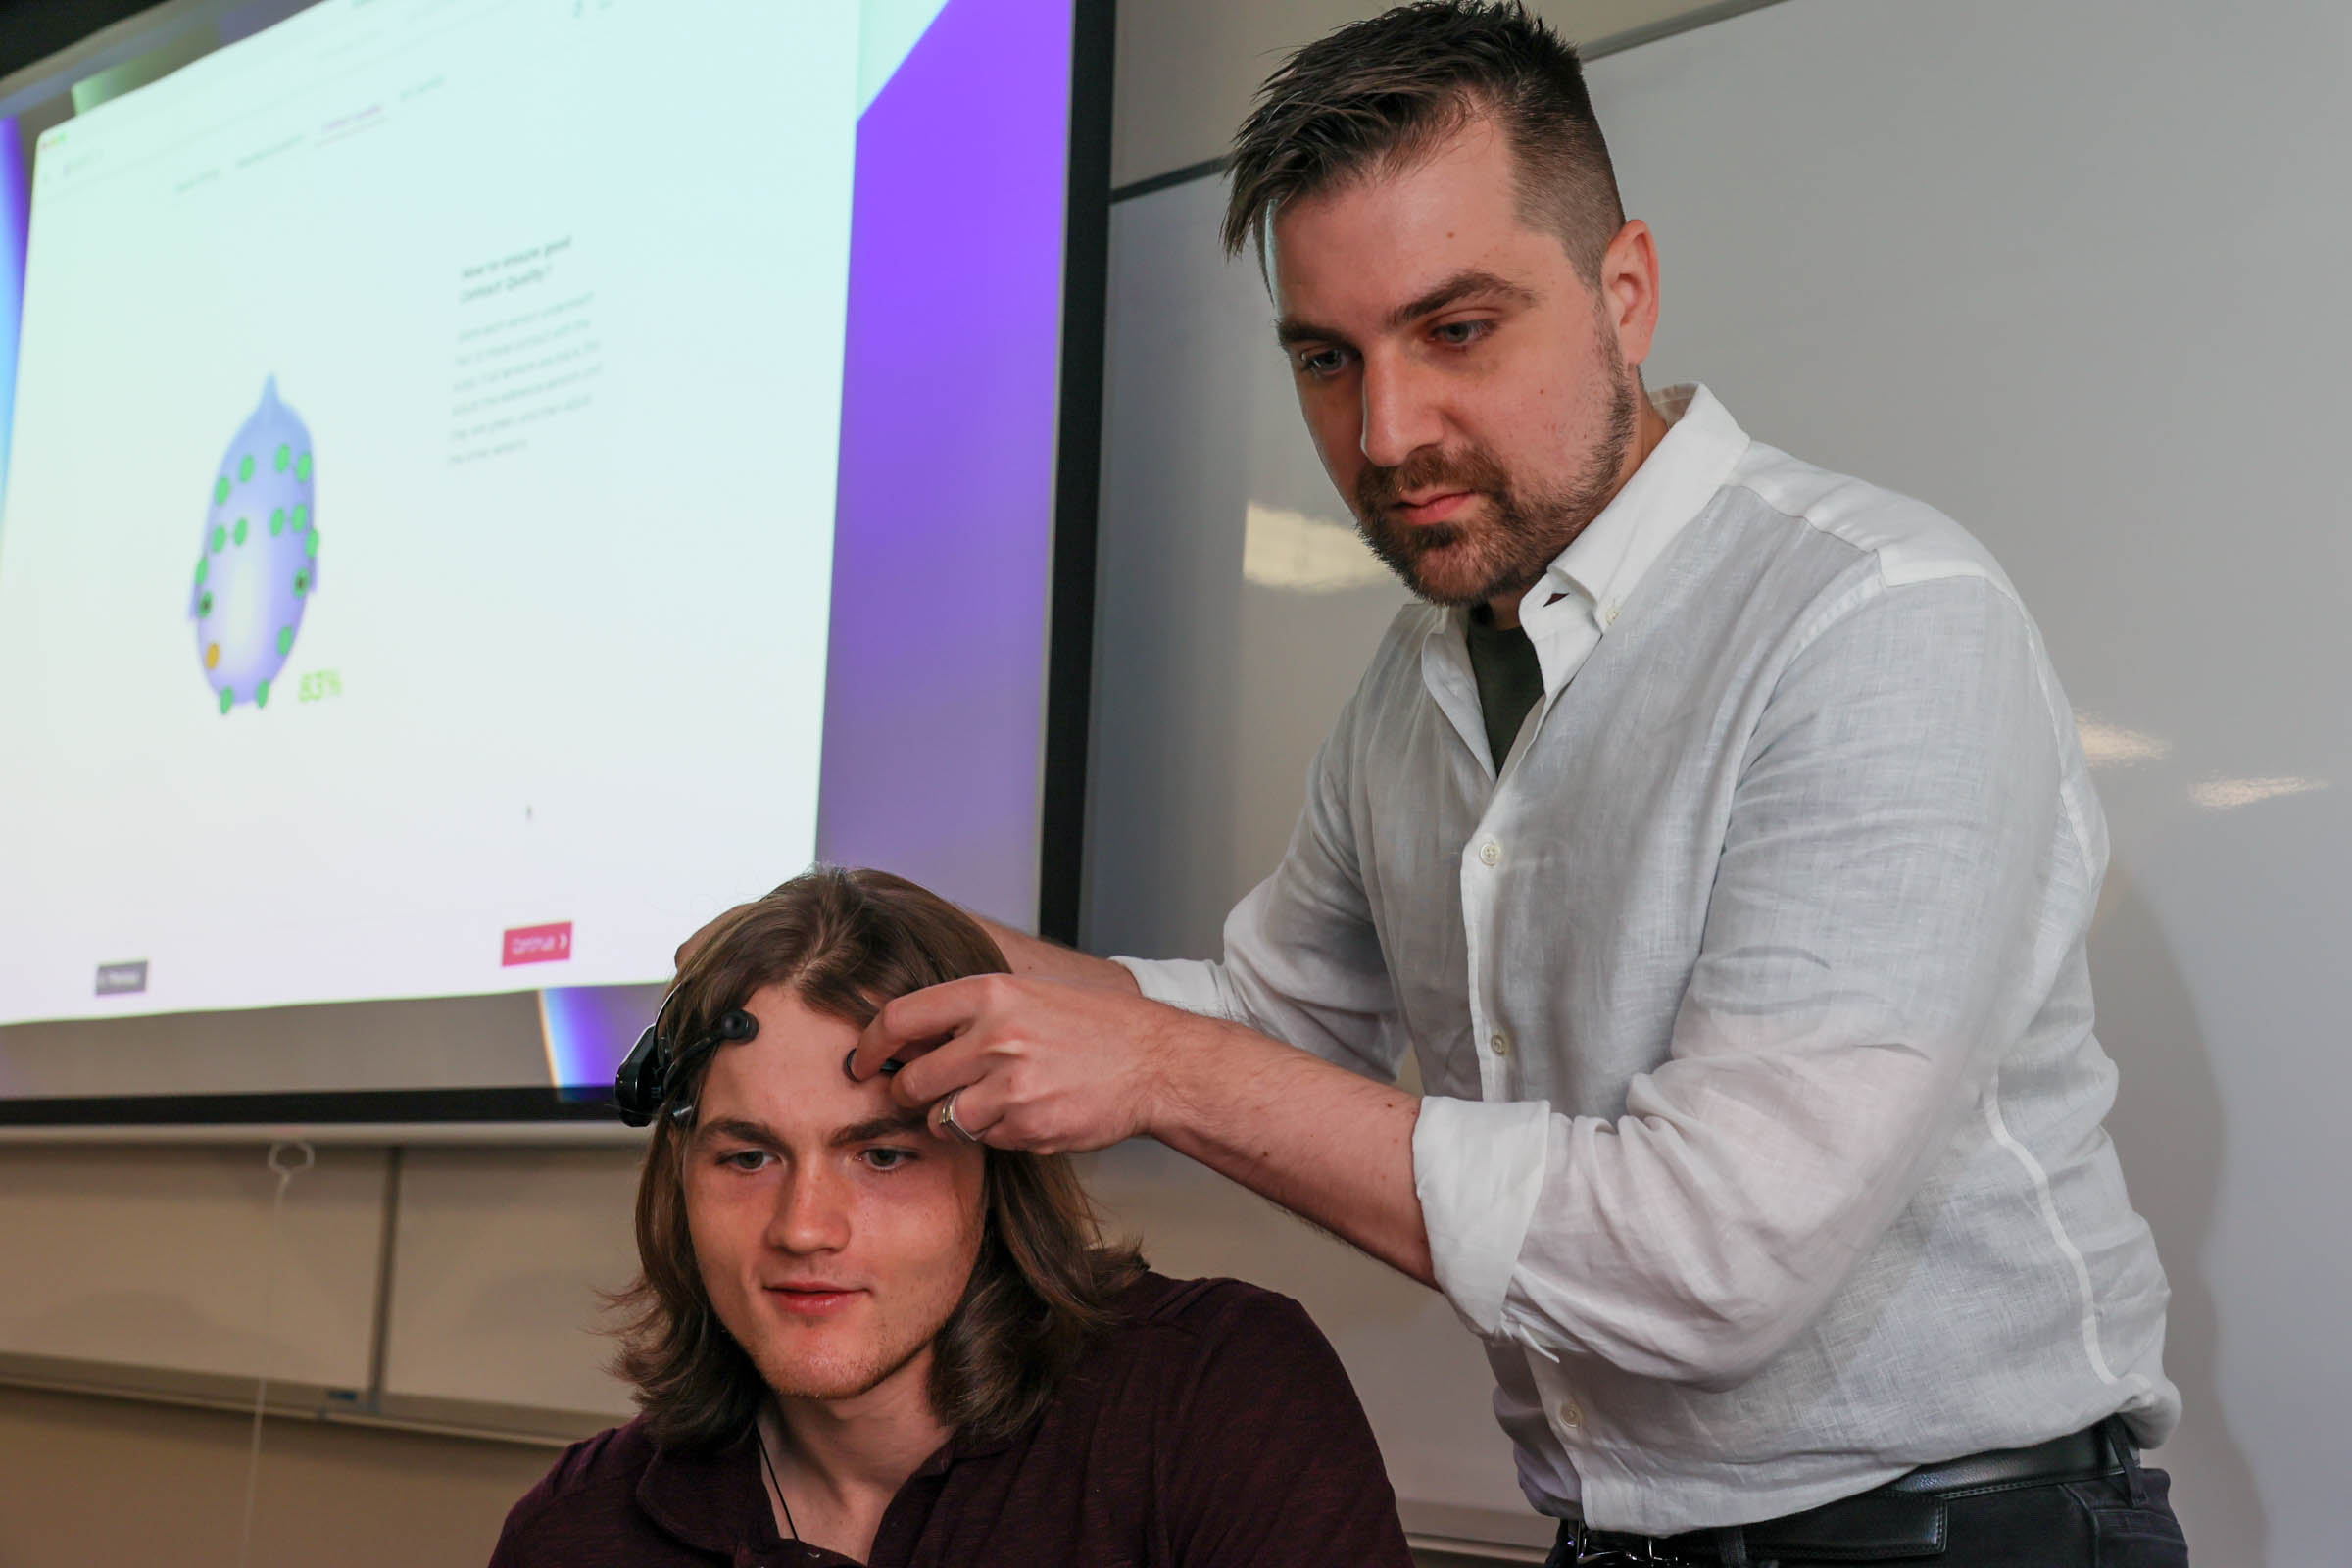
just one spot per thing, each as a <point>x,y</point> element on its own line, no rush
<point>1608,616</point>
<point>1501,1042</point>
<point>1571,1417</point>
<point>1491,852</point>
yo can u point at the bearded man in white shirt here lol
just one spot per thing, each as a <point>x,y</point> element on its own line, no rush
<point>1717,837</point>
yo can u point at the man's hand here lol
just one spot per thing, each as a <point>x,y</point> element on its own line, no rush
<point>1055,1066</point>
<point>1047,1066</point>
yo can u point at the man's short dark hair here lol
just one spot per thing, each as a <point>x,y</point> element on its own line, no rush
<point>1375,94</point>
<point>845,942</point>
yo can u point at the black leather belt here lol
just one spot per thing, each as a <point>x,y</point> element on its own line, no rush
<point>1907,1518</point>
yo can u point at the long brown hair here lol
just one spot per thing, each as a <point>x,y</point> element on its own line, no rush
<point>846,942</point>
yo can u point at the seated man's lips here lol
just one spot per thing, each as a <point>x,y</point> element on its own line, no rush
<point>814,1298</point>
<point>1441,508</point>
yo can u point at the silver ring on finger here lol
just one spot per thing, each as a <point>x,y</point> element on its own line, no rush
<point>946,1118</point>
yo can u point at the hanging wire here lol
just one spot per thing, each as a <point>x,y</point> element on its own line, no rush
<point>281,1162</point>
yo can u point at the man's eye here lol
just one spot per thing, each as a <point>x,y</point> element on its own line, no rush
<point>745,1160</point>
<point>1461,334</point>
<point>1322,363</point>
<point>888,1159</point>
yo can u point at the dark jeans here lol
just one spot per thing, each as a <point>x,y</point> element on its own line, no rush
<point>2121,1521</point>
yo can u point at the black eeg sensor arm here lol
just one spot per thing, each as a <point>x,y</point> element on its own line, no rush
<point>654,1064</point>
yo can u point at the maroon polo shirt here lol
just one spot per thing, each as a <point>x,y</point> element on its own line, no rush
<point>1211,1426</point>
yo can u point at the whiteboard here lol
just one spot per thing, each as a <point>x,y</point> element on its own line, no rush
<point>162,1271</point>
<point>502,1259</point>
<point>2068,271</point>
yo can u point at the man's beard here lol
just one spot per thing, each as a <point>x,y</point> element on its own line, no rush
<point>1509,550</point>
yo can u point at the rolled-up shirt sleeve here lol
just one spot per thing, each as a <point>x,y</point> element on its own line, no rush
<point>1303,961</point>
<point>1877,892</point>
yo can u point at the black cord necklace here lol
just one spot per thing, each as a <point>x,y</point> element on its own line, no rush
<point>781,1501</point>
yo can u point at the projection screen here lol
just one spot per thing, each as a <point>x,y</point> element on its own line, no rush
<point>489,485</point>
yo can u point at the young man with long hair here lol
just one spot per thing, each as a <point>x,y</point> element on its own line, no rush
<point>859,1338</point>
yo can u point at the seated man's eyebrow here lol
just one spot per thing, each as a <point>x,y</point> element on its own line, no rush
<point>899,1124</point>
<point>1468,284</point>
<point>741,1129</point>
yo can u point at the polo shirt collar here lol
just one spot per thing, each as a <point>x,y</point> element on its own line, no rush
<point>712,1499</point>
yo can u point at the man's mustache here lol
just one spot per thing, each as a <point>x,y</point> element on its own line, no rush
<point>1379,489</point>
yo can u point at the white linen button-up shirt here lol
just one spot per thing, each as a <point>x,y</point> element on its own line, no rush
<point>1763,1138</point>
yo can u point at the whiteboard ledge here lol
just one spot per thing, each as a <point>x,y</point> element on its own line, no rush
<point>301,1401</point>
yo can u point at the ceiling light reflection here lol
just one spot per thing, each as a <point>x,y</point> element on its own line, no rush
<point>1305,554</point>
<point>2229,794</point>
<point>2106,745</point>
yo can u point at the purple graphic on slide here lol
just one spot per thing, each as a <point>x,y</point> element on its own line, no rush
<point>943,544</point>
<point>258,565</point>
<point>16,228</point>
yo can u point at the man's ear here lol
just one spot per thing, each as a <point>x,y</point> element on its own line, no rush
<point>1629,291</point>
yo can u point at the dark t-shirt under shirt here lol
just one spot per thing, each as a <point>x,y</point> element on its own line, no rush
<point>1511,680</point>
<point>1211,1426</point>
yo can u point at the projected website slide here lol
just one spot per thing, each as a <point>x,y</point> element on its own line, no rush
<point>417,543</point>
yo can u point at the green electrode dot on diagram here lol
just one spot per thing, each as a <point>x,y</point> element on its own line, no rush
<point>203,569</point>
<point>309,546</point>
<point>283,452</point>
<point>261,695</point>
<point>302,467</point>
<point>227,697</point>
<point>220,490</point>
<point>245,467</point>
<point>302,516</point>
<point>204,606</point>
<point>302,583</point>
<point>220,536</point>
<point>240,531</point>
<point>277,518</point>
<point>286,642</point>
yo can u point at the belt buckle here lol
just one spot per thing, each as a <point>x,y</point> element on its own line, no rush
<point>1591,1553</point>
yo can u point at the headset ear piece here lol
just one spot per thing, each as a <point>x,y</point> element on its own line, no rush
<point>638,1087</point>
<point>643,1082</point>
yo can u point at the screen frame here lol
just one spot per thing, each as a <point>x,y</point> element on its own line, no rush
<point>540,1112</point>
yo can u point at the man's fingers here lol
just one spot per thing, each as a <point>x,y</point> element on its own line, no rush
<point>976,1107</point>
<point>941,1071</point>
<point>876,1048</point>
<point>918,1019</point>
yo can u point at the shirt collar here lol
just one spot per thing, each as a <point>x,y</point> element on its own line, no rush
<point>1594,577</point>
<point>715,1500</point>
<point>712,1500</point>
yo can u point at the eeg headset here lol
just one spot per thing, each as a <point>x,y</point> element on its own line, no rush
<point>655,1063</point>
